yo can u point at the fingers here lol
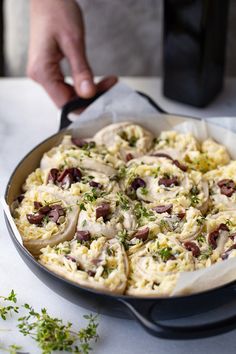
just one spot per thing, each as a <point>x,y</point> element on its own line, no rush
<point>74,50</point>
<point>60,92</point>
<point>49,75</point>
<point>106,83</point>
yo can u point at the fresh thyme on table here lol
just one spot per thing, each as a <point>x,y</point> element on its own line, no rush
<point>9,309</point>
<point>13,349</point>
<point>50,333</point>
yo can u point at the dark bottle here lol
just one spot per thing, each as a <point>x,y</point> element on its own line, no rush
<point>194,49</point>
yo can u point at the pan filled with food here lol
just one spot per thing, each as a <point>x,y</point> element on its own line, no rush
<point>112,222</point>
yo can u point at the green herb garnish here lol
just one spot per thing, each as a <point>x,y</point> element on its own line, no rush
<point>9,309</point>
<point>193,194</point>
<point>132,141</point>
<point>82,206</point>
<point>165,253</point>
<point>122,238</point>
<point>88,145</point>
<point>206,254</point>
<point>93,195</point>
<point>13,349</point>
<point>106,271</point>
<point>110,251</point>
<point>121,172</point>
<point>229,223</point>
<point>143,213</point>
<point>201,238</point>
<point>53,334</point>
<point>143,190</point>
<point>50,333</point>
<point>123,201</point>
<point>200,220</point>
<point>155,172</point>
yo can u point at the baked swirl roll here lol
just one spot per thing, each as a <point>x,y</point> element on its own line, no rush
<point>126,140</point>
<point>95,263</point>
<point>154,179</point>
<point>88,157</point>
<point>155,267</point>
<point>46,216</point>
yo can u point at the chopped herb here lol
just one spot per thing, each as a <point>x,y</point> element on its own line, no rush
<point>201,238</point>
<point>87,179</point>
<point>229,223</point>
<point>82,206</point>
<point>206,254</point>
<point>131,193</point>
<point>122,238</point>
<point>200,220</point>
<point>166,175</point>
<point>132,141</point>
<point>62,250</point>
<point>156,140</point>
<point>121,172</point>
<point>165,226</point>
<point>155,172</point>
<point>142,213</point>
<point>110,251</point>
<point>87,153</point>
<point>89,145</point>
<point>165,253</point>
<point>84,223</point>
<point>114,178</point>
<point>50,203</point>
<point>123,201</point>
<point>91,197</point>
<point>194,200</point>
<point>194,191</point>
<point>46,219</point>
<point>106,271</point>
<point>123,135</point>
<point>143,190</point>
<point>211,191</point>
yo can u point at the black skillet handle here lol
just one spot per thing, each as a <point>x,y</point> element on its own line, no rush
<point>82,103</point>
<point>71,106</point>
<point>143,314</point>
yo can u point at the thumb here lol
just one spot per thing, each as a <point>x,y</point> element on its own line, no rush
<point>82,74</point>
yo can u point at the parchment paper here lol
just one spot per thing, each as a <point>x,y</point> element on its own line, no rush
<point>121,103</point>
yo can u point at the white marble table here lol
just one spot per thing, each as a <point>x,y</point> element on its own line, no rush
<point>26,117</point>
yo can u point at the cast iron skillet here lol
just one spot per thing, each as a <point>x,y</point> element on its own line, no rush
<point>151,313</point>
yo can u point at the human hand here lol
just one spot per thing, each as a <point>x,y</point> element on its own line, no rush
<point>57,31</point>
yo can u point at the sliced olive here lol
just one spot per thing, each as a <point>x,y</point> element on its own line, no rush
<point>163,208</point>
<point>142,234</point>
<point>83,235</point>
<point>35,218</point>
<point>103,210</point>
<point>192,247</point>
<point>137,183</point>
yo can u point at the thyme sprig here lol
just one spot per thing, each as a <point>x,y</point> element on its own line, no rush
<point>13,349</point>
<point>50,333</point>
<point>9,309</point>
